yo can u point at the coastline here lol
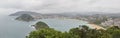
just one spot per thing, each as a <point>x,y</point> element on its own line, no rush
<point>94,26</point>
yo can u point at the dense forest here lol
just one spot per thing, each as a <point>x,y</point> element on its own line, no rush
<point>78,32</point>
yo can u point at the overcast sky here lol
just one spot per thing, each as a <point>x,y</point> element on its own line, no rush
<point>57,6</point>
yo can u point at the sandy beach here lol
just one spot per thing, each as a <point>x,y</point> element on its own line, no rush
<point>96,26</point>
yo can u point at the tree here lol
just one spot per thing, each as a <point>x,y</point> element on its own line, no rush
<point>75,32</point>
<point>114,31</point>
<point>84,32</point>
<point>49,33</point>
<point>45,33</point>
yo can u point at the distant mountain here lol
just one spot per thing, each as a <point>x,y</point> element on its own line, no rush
<point>65,14</point>
<point>25,17</point>
<point>24,12</point>
<point>60,14</point>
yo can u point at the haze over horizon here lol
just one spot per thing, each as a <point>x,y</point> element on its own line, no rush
<point>58,6</point>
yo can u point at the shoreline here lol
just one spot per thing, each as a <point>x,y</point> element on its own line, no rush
<point>94,26</point>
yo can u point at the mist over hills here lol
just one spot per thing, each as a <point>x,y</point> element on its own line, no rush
<point>24,12</point>
<point>71,14</point>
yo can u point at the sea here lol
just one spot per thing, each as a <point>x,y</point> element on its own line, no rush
<point>11,28</point>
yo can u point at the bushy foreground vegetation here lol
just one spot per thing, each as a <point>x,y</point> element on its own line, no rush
<point>84,32</point>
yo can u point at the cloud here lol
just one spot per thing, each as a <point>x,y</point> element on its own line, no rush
<point>55,6</point>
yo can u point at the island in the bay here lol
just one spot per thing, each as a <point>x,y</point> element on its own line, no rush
<point>25,17</point>
<point>40,25</point>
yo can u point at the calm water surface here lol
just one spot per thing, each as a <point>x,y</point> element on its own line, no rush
<point>10,28</point>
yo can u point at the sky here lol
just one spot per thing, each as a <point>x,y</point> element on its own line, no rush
<point>59,6</point>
